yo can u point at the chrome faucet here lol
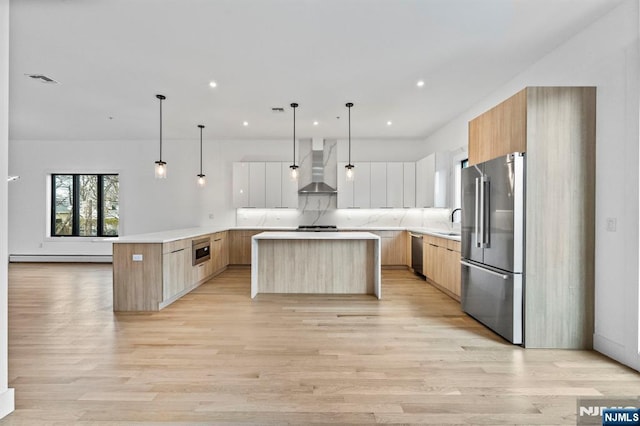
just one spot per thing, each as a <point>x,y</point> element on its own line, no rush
<point>454,212</point>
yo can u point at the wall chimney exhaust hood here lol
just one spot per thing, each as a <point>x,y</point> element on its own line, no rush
<point>317,185</point>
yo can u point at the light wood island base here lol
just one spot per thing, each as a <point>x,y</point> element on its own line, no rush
<point>316,263</point>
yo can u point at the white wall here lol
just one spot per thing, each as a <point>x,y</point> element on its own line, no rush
<point>605,55</point>
<point>6,394</point>
<point>146,204</point>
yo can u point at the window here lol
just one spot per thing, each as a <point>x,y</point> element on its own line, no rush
<point>84,205</point>
<point>457,196</point>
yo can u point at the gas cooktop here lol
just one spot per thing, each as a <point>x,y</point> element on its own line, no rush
<point>317,228</point>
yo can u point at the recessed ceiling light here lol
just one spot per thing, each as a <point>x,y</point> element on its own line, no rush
<point>213,84</point>
<point>389,123</point>
<point>420,83</point>
<point>315,123</point>
<point>245,123</point>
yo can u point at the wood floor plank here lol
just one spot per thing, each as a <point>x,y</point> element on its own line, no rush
<point>216,356</point>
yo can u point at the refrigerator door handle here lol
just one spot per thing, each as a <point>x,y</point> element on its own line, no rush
<point>481,243</point>
<point>486,187</point>
<point>503,276</point>
<point>475,229</point>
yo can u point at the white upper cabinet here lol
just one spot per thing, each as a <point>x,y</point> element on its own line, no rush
<point>345,189</point>
<point>289,188</point>
<point>362,186</point>
<point>378,173</point>
<point>240,185</point>
<point>264,185</point>
<point>395,185</point>
<point>409,185</point>
<point>432,177</point>
<point>273,185</point>
<point>257,182</point>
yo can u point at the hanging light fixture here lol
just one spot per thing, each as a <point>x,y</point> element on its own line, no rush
<point>201,177</point>
<point>161,166</point>
<point>349,167</point>
<point>293,167</point>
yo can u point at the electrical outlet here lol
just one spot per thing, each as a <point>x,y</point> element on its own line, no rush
<point>210,215</point>
<point>137,257</point>
<point>612,224</point>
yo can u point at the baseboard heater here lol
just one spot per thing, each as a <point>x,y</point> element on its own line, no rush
<point>71,258</point>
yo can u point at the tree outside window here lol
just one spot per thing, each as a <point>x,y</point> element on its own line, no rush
<point>84,205</point>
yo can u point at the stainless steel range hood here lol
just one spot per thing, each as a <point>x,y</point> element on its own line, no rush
<point>317,185</point>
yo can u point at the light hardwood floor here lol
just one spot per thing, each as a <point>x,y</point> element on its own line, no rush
<point>216,356</point>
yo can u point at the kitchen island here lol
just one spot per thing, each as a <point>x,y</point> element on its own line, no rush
<point>316,262</point>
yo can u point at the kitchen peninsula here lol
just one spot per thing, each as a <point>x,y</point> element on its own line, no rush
<point>316,262</point>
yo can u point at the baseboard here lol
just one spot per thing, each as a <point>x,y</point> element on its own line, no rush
<point>613,350</point>
<point>7,402</point>
<point>61,258</point>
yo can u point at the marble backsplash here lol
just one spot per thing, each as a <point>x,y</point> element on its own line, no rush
<point>437,219</point>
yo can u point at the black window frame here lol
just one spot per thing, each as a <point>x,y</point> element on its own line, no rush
<point>75,228</point>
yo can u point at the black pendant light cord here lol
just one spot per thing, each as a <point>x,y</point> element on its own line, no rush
<point>349,105</point>
<point>161,97</point>
<point>294,106</point>
<point>201,127</point>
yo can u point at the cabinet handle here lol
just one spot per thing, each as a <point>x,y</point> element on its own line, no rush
<point>175,251</point>
<point>219,239</point>
<point>433,245</point>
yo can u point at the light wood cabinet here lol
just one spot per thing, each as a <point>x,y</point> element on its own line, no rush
<point>441,264</point>
<point>176,268</point>
<point>150,276</point>
<point>393,247</point>
<point>240,246</point>
<point>499,131</point>
<point>219,251</point>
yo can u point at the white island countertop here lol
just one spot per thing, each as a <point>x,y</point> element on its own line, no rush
<point>323,235</point>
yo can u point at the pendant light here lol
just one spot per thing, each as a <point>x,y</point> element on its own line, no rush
<point>349,167</point>
<point>161,166</point>
<point>293,167</point>
<point>201,178</point>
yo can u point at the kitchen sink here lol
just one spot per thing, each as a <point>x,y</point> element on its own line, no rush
<point>449,234</point>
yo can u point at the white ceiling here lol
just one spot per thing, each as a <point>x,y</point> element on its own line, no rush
<point>113,56</point>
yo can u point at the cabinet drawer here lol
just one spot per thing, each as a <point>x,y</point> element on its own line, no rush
<point>176,245</point>
<point>453,245</point>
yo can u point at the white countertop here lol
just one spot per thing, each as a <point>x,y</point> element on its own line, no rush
<point>324,235</point>
<point>166,236</point>
<point>435,233</point>
<point>180,234</point>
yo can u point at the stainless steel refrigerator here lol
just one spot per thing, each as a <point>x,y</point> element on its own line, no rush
<point>493,244</point>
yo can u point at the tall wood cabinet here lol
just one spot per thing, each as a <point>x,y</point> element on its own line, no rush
<point>555,126</point>
<point>499,131</point>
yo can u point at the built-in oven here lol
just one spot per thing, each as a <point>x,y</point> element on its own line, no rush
<point>201,250</point>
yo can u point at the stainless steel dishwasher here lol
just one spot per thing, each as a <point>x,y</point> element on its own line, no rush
<point>416,253</point>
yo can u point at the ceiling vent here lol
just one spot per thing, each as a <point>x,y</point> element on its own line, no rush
<point>43,78</point>
<point>277,109</point>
